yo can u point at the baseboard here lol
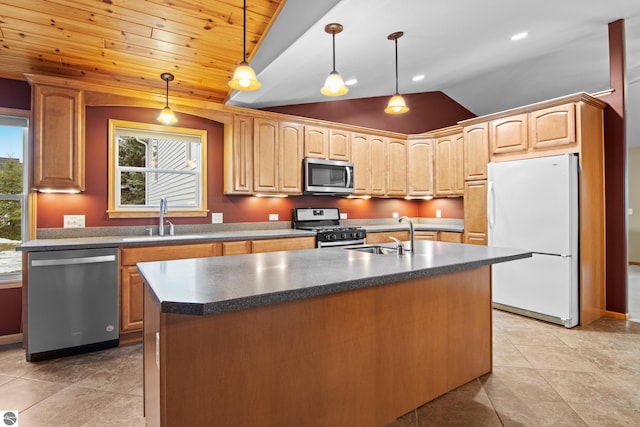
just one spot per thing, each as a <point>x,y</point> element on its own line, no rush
<point>634,262</point>
<point>10,339</point>
<point>616,315</point>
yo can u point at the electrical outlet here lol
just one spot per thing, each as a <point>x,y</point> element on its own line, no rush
<point>630,211</point>
<point>438,213</point>
<point>273,217</point>
<point>216,218</point>
<point>343,215</point>
<point>395,215</point>
<point>73,221</point>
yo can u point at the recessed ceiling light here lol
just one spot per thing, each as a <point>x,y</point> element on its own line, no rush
<point>418,77</point>
<point>351,82</point>
<point>519,36</point>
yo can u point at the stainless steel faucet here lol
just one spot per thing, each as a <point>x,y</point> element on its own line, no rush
<point>163,210</point>
<point>411,235</point>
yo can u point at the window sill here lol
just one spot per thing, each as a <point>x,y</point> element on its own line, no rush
<point>155,213</point>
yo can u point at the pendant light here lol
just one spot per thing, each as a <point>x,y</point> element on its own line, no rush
<point>166,115</point>
<point>334,85</point>
<point>244,78</point>
<point>396,103</point>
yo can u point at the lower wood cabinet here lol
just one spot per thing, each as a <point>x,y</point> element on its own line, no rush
<point>385,236</point>
<point>426,235</point>
<point>475,212</point>
<point>450,236</point>
<point>287,244</point>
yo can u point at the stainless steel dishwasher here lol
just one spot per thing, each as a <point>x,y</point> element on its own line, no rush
<point>72,302</point>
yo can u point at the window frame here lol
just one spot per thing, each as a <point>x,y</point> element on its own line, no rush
<point>117,211</point>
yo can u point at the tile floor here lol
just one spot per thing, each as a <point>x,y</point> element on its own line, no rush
<point>543,375</point>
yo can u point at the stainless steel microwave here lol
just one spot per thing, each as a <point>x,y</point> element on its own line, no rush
<point>327,176</point>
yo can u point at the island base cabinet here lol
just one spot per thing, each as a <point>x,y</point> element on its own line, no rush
<point>361,357</point>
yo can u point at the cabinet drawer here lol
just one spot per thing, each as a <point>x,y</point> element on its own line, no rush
<point>450,236</point>
<point>426,235</point>
<point>131,256</point>
<point>236,248</point>
<point>384,237</point>
<point>286,244</point>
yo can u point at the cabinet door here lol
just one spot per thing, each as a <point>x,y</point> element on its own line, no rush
<point>426,235</point>
<point>58,139</point>
<point>236,248</point>
<point>265,156</point>
<point>397,181</point>
<point>553,127</point>
<point>290,141</point>
<point>316,142</point>
<point>379,165</point>
<point>450,236</point>
<point>509,134</point>
<point>340,145</point>
<point>385,236</point>
<point>420,170</point>
<point>476,151</point>
<point>475,212</point>
<point>131,287</point>
<point>444,173</point>
<point>361,157</point>
<point>285,244</point>
<point>238,156</point>
<point>458,159</point>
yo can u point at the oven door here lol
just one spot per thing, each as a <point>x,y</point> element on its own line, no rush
<point>327,176</point>
<point>334,243</point>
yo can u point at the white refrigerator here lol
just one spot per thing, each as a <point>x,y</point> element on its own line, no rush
<point>532,204</point>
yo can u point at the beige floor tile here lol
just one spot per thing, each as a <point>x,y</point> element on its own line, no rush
<point>522,383</point>
<point>72,406</point>
<point>125,410</point>
<point>556,358</point>
<point>514,412</point>
<point>407,420</point>
<point>528,336</point>
<point>506,354</point>
<point>20,394</point>
<point>121,375</point>
<point>5,379</point>
<point>600,415</point>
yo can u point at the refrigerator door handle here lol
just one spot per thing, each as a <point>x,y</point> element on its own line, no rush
<point>490,205</point>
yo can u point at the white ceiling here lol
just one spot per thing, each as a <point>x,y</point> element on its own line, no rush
<point>462,47</point>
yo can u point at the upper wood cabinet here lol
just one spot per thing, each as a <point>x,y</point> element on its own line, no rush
<point>361,158</point>
<point>340,145</point>
<point>448,162</point>
<point>316,142</point>
<point>553,127</point>
<point>420,167</point>
<point>476,151</point>
<point>397,167</point>
<point>379,163</point>
<point>277,157</point>
<point>238,156</point>
<point>509,134</point>
<point>58,137</point>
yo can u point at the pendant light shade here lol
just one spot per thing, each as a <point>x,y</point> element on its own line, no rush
<point>166,115</point>
<point>396,103</point>
<point>244,78</point>
<point>334,85</point>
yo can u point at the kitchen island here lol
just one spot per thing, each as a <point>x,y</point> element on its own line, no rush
<point>314,337</point>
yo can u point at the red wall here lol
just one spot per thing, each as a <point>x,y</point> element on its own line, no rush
<point>15,94</point>
<point>428,111</point>
<point>93,202</point>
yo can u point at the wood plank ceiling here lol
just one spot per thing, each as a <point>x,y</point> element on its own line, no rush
<point>126,44</point>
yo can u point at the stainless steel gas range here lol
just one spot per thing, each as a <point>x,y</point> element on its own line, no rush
<point>326,223</point>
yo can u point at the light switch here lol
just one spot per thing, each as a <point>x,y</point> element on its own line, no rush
<point>395,215</point>
<point>438,213</point>
<point>216,218</point>
<point>343,215</point>
<point>273,217</point>
<point>73,221</point>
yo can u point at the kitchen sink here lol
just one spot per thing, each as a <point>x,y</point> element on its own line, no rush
<point>380,250</point>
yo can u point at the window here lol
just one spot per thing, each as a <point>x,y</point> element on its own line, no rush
<point>147,162</point>
<point>14,131</point>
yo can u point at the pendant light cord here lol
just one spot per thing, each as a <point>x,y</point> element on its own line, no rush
<point>396,40</point>
<point>333,34</point>
<point>244,32</point>
<point>167,94</point>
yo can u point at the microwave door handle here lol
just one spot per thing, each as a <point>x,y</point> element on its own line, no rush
<point>349,177</point>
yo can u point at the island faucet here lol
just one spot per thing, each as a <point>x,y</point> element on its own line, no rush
<point>411,235</point>
<point>163,210</point>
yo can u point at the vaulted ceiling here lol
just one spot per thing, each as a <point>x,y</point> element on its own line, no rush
<point>462,48</point>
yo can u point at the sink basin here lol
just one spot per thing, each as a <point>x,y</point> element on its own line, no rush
<point>380,250</point>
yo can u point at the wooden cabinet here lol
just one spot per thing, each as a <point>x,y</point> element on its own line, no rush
<point>379,164</point>
<point>397,168</point>
<point>553,127</point>
<point>384,236</point>
<point>475,212</point>
<point>476,151</point>
<point>426,235</point>
<point>509,134</point>
<point>450,236</point>
<point>316,142</point>
<point>236,248</point>
<point>131,285</point>
<point>238,156</point>
<point>277,157</point>
<point>448,162</point>
<point>339,145</point>
<point>58,137</point>
<point>361,158</point>
<point>285,244</point>
<point>420,167</point>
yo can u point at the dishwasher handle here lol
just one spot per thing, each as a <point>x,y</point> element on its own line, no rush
<point>72,261</point>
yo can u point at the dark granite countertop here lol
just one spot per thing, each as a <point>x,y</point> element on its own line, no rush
<point>206,286</point>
